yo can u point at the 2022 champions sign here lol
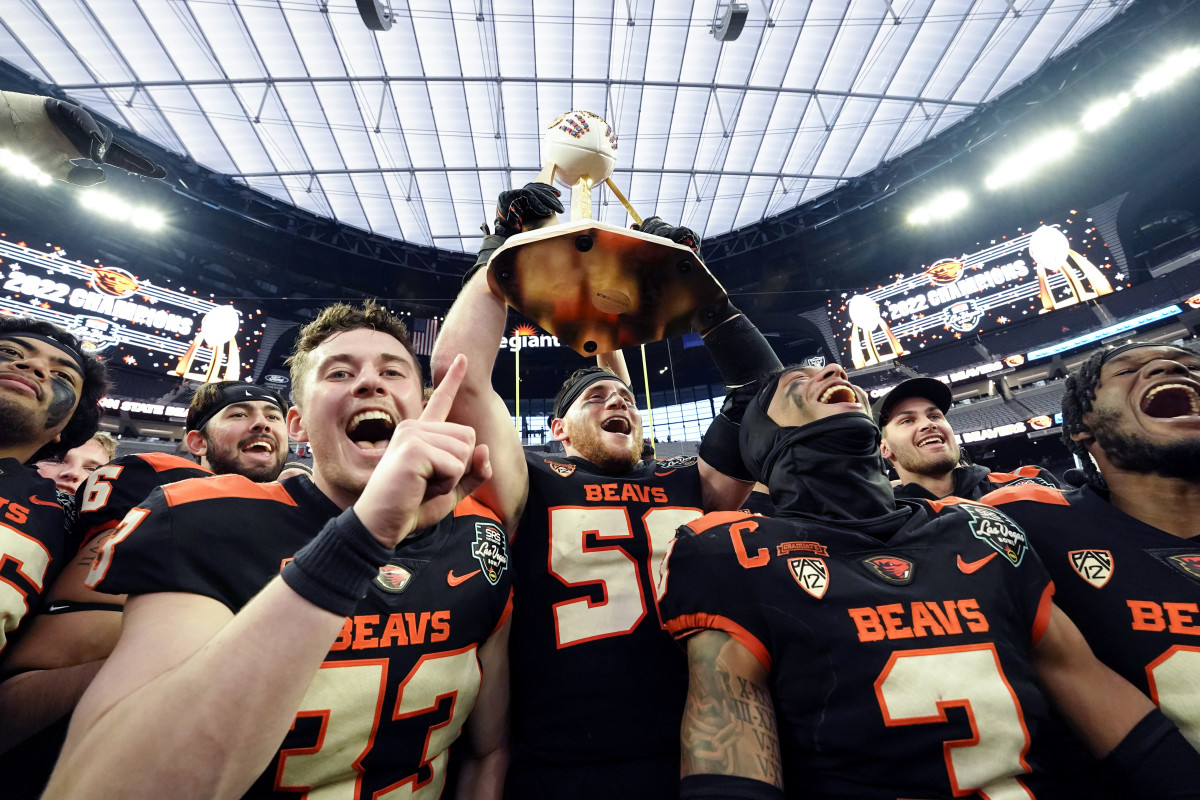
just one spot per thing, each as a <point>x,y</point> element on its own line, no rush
<point>1028,273</point>
<point>124,318</point>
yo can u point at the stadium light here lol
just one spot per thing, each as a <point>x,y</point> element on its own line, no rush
<point>113,207</point>
<point>1100,114</point>
<point>1029,161</point>
<point>943,206</point>
<point>22,167</point>
<point>1168,72</point>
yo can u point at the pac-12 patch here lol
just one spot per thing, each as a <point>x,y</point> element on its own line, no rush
<point>490,550</point>
<point>1000,532</point>
<point>892,569</point>
<point>812,574</point>
<point>1094,566</point>
<point>562,470</point>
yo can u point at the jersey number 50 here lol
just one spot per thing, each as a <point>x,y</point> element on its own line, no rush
<point>590,547</point>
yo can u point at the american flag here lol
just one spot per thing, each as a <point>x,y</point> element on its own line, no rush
<point>423,333</point>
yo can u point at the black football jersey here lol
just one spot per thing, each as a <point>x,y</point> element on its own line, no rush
<point>1132,589</point>
<point>113,489</point>
<point>594,676</point>
<point>402,675</point>
<point>898,669</point>
<point>34,541</point>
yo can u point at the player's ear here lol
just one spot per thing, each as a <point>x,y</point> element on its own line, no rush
<point>296,429</point>
<point>558,430</point>
<point>196,444</point>
<point>885,450</point>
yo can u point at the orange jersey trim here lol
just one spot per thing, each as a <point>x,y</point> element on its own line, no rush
<point>939,506</point>
<point>715,518</point>
<point>1025,491</point>
<point>1021,472</point>
<point>472,507</point>
<point>505,614</point>
<point>1042,620</point>
<point>693,623</point>
<point>161,462</point>
<point>224,486</point>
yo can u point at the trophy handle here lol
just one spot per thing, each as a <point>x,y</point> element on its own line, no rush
<point>637,219</point>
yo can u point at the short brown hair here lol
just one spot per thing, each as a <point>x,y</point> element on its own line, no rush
<point>339,318</point>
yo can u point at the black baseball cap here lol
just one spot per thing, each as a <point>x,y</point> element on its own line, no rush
<point>933,390</point>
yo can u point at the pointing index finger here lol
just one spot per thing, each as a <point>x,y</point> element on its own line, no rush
<point>442,399</point>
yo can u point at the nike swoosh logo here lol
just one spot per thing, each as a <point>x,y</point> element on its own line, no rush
<point>973,566</point>
<point>455,580</point>
<point>664,474</point>
<point>57,607</point>
<point>38,502</point>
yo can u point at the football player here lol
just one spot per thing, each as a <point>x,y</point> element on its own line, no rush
<point>72,468</point>
<point>236,427</point>
<point>1124,548</point>
<point>327,635</point>
<point>598,687</point>
<point>859,646</point>
<point>920,444</point>
<point>49,403</point>
<point>232,427</point>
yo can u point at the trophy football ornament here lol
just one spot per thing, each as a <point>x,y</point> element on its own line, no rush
<point>598,287</point>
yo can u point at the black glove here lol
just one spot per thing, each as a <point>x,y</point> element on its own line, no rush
<point>681,235</point>
<point>516,208</point>
<point>51,133</point>
<point>737,399</point>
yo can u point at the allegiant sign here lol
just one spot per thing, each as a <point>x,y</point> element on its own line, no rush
<point>525,336</point>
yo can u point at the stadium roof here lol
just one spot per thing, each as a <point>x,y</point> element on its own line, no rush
<point>410,133</point>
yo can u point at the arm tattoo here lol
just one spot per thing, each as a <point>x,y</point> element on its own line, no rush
<point>729,721</point>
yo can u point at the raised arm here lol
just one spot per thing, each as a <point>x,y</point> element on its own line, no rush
<point>1113,719</point>
<point>724,746</point>
<point>475,326</point>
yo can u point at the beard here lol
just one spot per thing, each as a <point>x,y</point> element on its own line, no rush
<point>1135,453</point>
<point>929,466</point>
<point>588,442</point>
<point>225,462</point>
<point>18,427</point>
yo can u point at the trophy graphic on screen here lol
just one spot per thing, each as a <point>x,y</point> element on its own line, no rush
<point>1051,252</point>
<point>598,287</point>
<point>218,330</point>
<point>865,319</point>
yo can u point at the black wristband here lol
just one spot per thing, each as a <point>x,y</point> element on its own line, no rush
<point>1155,761</point>
<point>720,450</point>
<point>740,351</point>
<point>726,787</point>
<point>491,243</point>
<point>336,568</point>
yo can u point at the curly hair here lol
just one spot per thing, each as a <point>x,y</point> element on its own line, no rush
<point>84,423</point>
<point>1078,398</point>
<point>339,318</point>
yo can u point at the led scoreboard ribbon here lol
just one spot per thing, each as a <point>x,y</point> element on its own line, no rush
<point>975,292</point>
<point>108,307</point>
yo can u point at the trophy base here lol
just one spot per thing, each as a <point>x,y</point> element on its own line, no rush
<point>599,288</point>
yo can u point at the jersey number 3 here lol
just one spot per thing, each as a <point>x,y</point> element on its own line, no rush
<point>917,686</point>
<point>589,547</point>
